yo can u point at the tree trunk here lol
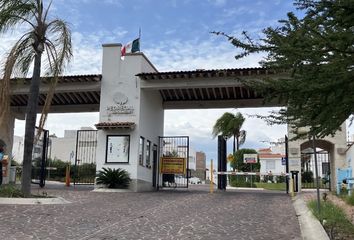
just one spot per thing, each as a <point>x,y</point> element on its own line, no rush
<point>237,143</point>
<point>234,146</point>
<point>31,116</point>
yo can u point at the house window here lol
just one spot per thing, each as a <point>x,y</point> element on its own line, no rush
<point>147,157</point>
<point>270,165</point>
<point>141,151</point>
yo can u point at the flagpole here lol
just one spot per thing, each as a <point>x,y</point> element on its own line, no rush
<point>139,38</point>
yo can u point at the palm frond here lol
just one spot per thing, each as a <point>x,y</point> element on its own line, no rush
<point>242,137</point>
<point>13,12</point>
<point>59,53</point>
<point>13,64</point>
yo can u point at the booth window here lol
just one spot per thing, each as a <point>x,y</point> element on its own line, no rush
<point>141,151</point>
<point>147,157</point>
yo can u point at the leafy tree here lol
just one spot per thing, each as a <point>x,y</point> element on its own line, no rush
<point>46,44</point>
<point>313,57</point>
<point>237,162</point>
<point>230,125</point>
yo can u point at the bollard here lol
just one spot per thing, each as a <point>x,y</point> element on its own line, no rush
<point>67,176</point>
<point>211,177</point>
<point>291,187</point>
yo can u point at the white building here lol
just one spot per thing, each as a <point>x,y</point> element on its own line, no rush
<point>17,149</point>
<point>192,161</point>
<point>271,162</point>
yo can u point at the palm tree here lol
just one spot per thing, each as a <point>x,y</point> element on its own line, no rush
<point>47,45</point>
<point>230,125</point>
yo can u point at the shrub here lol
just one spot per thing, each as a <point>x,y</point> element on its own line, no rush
<point>267,178</point>
<point>242,181</point>
<point>280,179</point>
<point>113,178</point>
<point>307,177</point>
<point>350,199</point>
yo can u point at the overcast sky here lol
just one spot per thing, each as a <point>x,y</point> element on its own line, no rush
<point>175,36</point>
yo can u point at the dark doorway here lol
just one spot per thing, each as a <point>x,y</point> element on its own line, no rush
<point>154,166</point>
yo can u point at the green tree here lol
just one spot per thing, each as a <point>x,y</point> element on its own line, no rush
<point>237,162</point>
<point>230,125</point>
<point>314,56</point>
<point>47,44</point>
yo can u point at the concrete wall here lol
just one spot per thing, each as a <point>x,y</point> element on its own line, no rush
<point>63,149</point>
<point>350,158</point>
<point>151,127</point>
<point>17,149</point>
<point>278,167</point>
<point>6,136</point>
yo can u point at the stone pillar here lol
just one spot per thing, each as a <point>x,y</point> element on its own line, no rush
<point>6,136</point>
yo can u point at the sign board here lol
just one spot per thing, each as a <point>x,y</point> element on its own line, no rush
<point>230,157</point>
<point>283,161</point>
<point>250,158</point>
<point>117,149</point>
<point>173,165</point>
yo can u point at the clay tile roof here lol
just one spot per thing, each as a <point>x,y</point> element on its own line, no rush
<point>264,150</point>
<point>64,79</point>
<point>112,125</point>
<point>271,155</point>
<point>201,73</point>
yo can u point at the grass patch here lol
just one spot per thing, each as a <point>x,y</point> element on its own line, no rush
<point>345,197</point>
<point>13,191</point>
<point>333,219</point>
<point>350,199</point>
<point>272,186</point>
<point>10,191</point>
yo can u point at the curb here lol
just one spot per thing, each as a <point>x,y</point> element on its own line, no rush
<point>112,190</point>
<point>33,201</point>
<point>311,228</point>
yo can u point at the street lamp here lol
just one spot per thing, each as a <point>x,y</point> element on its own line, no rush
<point>316,170</point>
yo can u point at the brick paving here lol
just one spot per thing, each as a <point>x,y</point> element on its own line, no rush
<point>174,214</point>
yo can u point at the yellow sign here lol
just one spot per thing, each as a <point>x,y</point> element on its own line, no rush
<point>173,165</point>
<point>230,157</point>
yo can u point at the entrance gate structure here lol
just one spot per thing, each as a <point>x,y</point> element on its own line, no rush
<point>84,171</point>
<point>308,173</point>
<point>131,96</point>
<point>175,174</point>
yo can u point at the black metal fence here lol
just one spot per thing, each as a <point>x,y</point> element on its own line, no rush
<point>39,157</point>
<point>84,171</point>
<point>175,146</point>
<point>308,173</point>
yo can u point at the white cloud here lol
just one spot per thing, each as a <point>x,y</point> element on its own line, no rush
<point>218,3</point>
<point>197,124</point>
<point>207,54</point>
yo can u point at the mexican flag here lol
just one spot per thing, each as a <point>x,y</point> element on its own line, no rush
<point>131,47</point>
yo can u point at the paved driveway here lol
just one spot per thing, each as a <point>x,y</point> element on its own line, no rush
<point>192,214</point>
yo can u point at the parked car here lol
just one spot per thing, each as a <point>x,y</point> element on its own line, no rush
<point>194,180</point>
